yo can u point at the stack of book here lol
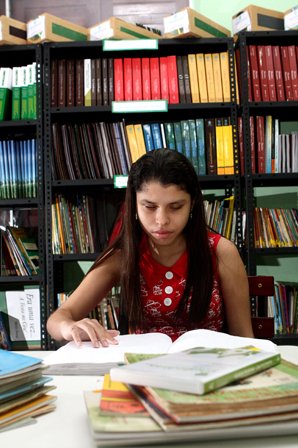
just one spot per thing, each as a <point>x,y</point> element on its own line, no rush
<point>23,390</point>
<point>165,405</point>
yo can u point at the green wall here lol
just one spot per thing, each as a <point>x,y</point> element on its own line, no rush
<point>222,11</point>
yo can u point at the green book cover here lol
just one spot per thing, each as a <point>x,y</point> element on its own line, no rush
<point>16,93</point>
<point>24,93</point>
<point>30,81</point>
<point>198,370</point>
<point>5,92</point>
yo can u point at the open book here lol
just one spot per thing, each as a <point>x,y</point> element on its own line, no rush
<point>87,360</point>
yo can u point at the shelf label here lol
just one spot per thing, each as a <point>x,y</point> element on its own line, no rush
<point>120,181</point>
<point>139,106</point>
<point>130,44</point>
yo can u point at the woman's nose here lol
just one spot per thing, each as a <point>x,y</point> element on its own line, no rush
<point>162,217</point>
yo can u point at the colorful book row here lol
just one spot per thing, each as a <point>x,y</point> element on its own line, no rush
<point>275,227</point>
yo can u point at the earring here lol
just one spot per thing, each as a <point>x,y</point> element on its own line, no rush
<point>136,216</point>
<point>190,215</point>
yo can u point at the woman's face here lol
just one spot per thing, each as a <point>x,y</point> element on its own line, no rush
<point>163,211</point>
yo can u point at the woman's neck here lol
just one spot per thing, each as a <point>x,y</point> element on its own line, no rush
<point>167,255</point>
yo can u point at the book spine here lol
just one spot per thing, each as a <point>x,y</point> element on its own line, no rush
<point>155,78</point>
<point>219,146</point>
<point>105,81</point>
<point>173,80</point>
<point>186,78</point>
<point>225,76</point>
<point>193,78</point>
<point>127,69</point>
<point>260,125</point>
<point>87,82</point>
<point>118,79</point>
<point>217,78</point>
<point>61,82</point>
<point>263,72</point>
<point>164,85</point>
<point>293,71</point>
<point>210,77</point>
<point>202,77</point>
<point>98,78</point>
<point>255,78</point>
<point>70,82</point>
<point>146,83</point>
<point>286,72</point>
<point>210,146</point>
<point>278,73</point>
<point>270,73</point>
<point>79,82</point>
<point>136,79</point>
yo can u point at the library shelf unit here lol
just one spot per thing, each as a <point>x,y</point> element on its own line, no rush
<point>284,111</point>
<point>25,211</point>
<point>78,114</point>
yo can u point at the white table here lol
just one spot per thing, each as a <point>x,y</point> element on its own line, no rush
<point>67,426</point>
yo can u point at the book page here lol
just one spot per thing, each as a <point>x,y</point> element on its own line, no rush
<point>209,338</point>
<point>132,343</point>
<point>23,308</point>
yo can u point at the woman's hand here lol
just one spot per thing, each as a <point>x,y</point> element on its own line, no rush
<point>89,329</point>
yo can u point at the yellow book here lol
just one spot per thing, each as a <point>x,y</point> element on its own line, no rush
<point>228,229</point>
<point>219,146</point>
<point>202,77</point>
<point>217,78</point>
<point>193,78</point>
<point>210,77</point>
<point>140,139</point>
<point>225,76</point>
<point>132,142</point>
<point>228,152</point>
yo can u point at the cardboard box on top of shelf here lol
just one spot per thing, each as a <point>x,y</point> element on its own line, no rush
<point>47,27</point>
<point>190,23</point>
<point>12,32</point>
<point>254,18</point>
<point>291,19</point>
<point>115,28</point>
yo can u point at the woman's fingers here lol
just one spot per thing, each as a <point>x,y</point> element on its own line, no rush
<point>92,330</point>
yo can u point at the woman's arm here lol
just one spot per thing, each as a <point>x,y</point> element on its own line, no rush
<point>234,286</point>
<point>69,322</point>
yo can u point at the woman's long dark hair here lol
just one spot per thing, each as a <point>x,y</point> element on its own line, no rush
<point>168,167</point>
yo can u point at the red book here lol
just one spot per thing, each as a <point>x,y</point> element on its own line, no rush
<point>250,94</point>
<point>173,80</point>
<point>270,73</point>
<point>286,71</point>
<point>241,148</point>
<point>293,71</point>
<point>261,143</point>
<point>278,72</point>
<point>127,69</point>
<point>252,144</point>
<point>118,80</point>
<point>254,70</point>
<point>263,72</point>
<point>146,86</point>
<point>164,86</point>
<point>155,78</point>
<point>136,79</point>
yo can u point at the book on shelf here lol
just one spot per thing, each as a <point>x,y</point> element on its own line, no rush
<point>210,77</point>
<point>155,78</point>
<point>61,68</point>
<point>186,79</point>
<point>217,78</point>
<point>193,78</point>
<point>5,92</point>
<point>255,77</point>
<point>202,77</point>
<point>263,72</point>
<point>76,360</point>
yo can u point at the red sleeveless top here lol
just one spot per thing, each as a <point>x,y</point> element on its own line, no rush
<point>162,288</point>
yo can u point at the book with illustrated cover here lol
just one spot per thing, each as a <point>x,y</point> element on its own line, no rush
<point>198,370</point>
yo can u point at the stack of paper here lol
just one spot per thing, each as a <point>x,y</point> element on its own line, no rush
<point>23,393</point>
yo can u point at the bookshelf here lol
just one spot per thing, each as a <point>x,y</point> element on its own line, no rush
<point>109,113</point>
<point>281,109</point>
<point>22,207</point>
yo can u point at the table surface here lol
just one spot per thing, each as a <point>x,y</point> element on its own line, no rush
<point>67,426</point>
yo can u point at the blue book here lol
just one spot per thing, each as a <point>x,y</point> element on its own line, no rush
<point>156,135</point>
<point>201,146</point>
<point>12,363</point>
<point>24,388</point>
<point>170,136</point>
<point>186,140</point>
<point>2,174</point>
<point>178,136</point>
<point>148,137</point>
<point>193,144</point>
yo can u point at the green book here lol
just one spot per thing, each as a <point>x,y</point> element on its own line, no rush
<point>198,370</point>
<point>5,92</point>
<point>24,93</point>
<point>30,88</point>
<point>16,94</point>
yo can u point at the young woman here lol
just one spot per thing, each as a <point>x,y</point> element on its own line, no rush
<point>175,274</point>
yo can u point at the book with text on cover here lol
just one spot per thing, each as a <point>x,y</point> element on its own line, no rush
<point>198,370</point>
